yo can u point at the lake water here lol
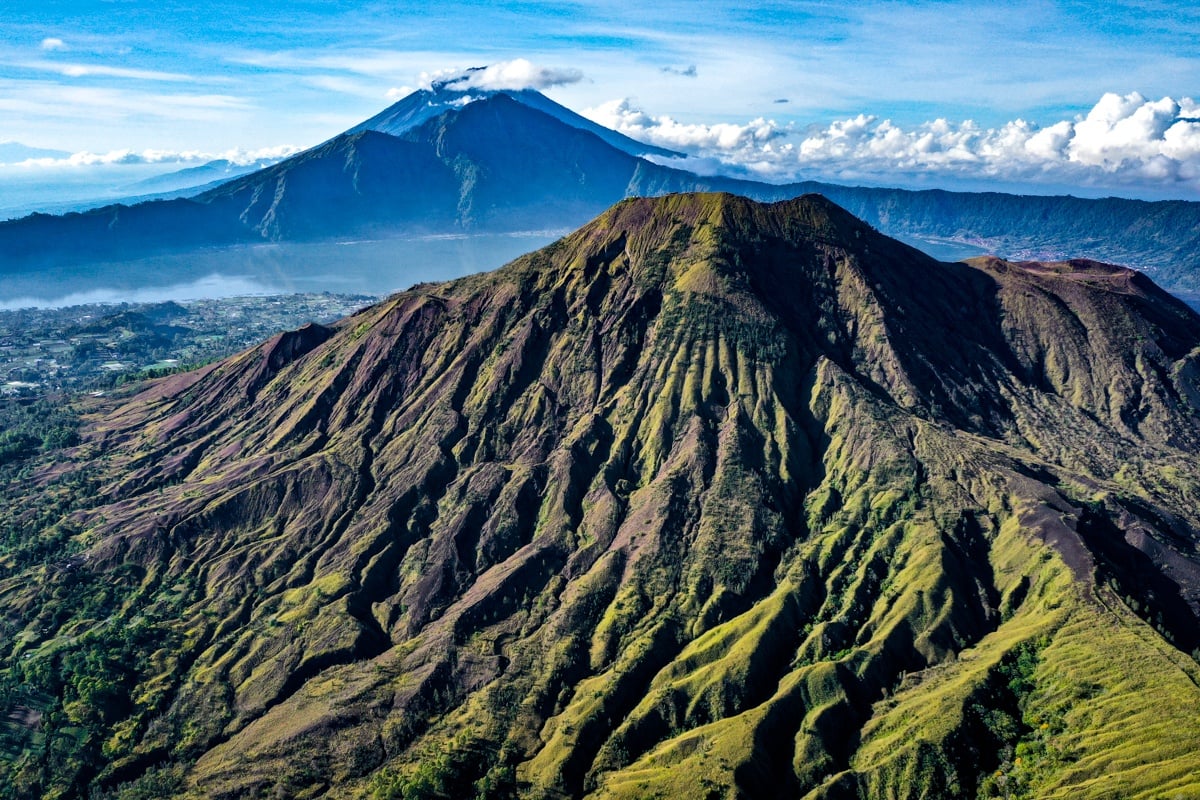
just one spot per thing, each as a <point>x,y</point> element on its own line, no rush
<point>944,249</point>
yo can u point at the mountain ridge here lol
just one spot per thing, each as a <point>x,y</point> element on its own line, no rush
<point>708,498</point>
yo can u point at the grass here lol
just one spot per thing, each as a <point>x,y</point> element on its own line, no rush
<point>705,501</point>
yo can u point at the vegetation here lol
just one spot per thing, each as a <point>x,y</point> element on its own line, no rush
<point>27,428</point>
<point>708,499</point>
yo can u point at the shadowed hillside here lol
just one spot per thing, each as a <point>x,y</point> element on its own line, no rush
<point>707,499</point>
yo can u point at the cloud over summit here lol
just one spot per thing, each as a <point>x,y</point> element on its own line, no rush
<point>503,76</point>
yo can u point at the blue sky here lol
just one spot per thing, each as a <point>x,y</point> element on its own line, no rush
<point>912,93</point>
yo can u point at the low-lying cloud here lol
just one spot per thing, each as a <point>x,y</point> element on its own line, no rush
<point>182,157</point>
<point>1123,141</point>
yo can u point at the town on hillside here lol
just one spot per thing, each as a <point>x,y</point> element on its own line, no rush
<point>94,347</point>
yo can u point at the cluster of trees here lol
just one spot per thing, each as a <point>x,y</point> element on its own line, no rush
<point>73,695</point>
<point>440,776</point>
<point>27,428</point>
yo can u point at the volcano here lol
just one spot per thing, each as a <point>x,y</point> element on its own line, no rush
<point>412,111</point>
<point>433,163</point>
<point>709,498</point>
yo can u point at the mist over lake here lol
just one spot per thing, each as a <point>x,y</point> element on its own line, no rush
<point>375,267</point>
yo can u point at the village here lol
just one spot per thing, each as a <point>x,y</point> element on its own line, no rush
<point>94,347</point>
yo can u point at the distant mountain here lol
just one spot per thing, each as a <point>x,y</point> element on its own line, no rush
<point>1162,237</point>
<point>204,175</point>
<point>14,152</point>
<point>707,499</point>
<point>494,164</point>
<point>424,104</point>
<point>443,161</point>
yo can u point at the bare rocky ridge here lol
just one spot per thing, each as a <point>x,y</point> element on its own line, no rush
<point>709,498</point>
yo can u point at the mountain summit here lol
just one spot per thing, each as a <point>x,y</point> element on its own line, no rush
<point>414,110</point>
<point>707,499</point>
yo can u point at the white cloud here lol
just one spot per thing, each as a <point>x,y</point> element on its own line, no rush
<point>1120,130</point>
<point>399,92</point>
<point>103,106</point>
<point>52,43</point>
<point>101,70</point>
<point>502,76</point>
<point>746,140</point>
<point>1123,141</point>
<point>181,157</point>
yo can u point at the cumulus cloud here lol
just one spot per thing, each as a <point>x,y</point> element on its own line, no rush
<point>502,76</point>
<point>52,43</point>
<point>1122,140</point>
<point>182,157</point>
<point>745,140</point>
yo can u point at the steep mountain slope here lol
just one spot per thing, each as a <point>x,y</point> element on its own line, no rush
<point>708,499</point>
<point>496,164</point>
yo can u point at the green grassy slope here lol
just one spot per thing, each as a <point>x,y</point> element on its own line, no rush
<point>708,499</point>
